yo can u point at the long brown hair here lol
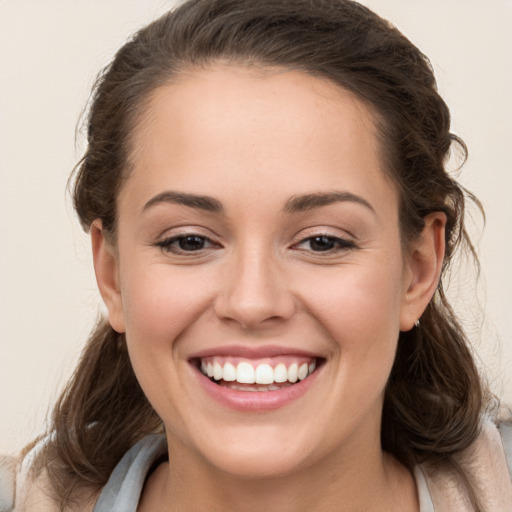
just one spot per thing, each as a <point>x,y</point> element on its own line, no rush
<point>434,397</point>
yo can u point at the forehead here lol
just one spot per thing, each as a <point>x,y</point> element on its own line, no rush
<point>255,128</point>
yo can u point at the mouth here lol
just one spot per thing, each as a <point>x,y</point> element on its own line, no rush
<point>261,375</point>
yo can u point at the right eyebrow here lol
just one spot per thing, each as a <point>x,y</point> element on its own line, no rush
<point>200,202</point>
<point>318,199</point>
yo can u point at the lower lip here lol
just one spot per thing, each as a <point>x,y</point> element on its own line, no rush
<point>256,401</point>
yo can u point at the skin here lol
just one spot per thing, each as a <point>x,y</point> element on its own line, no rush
<point>254,139</point>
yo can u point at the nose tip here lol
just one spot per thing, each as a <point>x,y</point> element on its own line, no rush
<point>255,295</point>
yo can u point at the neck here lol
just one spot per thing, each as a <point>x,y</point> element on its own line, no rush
<point>367,479</point>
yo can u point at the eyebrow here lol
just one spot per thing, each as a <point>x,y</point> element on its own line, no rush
<point>200,202</point>
<point>294,205</point>
<point>316,200</point>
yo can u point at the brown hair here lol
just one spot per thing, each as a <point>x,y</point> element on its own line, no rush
<point>434,397</point>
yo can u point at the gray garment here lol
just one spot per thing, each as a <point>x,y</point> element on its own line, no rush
<point>124,487</point>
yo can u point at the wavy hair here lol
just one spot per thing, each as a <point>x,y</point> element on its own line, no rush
<point>434,397</point>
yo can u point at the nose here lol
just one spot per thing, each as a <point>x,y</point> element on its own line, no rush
<point>254,292</point>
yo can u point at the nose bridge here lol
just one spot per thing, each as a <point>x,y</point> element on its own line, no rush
<point>254,290</point>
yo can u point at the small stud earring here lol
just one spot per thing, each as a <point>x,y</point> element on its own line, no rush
<point>417,323</point>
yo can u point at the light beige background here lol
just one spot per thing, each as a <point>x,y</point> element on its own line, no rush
<point>50,52</point>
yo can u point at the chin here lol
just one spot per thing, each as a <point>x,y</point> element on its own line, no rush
<point>260,452</point>
<point>259,465</point>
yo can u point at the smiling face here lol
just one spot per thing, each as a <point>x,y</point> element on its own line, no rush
<point>258,239</point>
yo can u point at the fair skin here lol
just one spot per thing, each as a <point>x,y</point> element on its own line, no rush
<point>292,251</point>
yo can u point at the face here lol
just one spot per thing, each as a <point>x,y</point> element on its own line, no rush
<point>258,239</point>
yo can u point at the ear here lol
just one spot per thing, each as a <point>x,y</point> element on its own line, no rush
<point>423,269</point>
<point>107,275</point>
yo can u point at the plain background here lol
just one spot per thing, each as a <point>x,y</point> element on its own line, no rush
<point>50,52</point>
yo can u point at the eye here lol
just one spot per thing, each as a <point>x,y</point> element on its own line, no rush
<point>325,243</point>
<point>185,243</point>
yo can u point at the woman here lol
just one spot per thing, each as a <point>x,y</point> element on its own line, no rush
<point>271,218</point>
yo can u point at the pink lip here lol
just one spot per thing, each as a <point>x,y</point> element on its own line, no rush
<point>255,401</point>
<point>252,352</point>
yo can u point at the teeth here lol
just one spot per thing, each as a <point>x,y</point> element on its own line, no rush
<point>217,371</point>
<point>280,373</point>
<point>229,373</point>
<point>245,373</point>
<point>270,387</point>
<point>293,372</point>
<point>303,371</point>
<point>263,374</point>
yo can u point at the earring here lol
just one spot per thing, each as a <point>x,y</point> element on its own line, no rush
<point>417,323</point>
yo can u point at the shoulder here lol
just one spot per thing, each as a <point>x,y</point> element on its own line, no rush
<point>505,429</point>
<point>124,488</point>
<point>26,487</point>
<point>8,467</point>
<point>22,489</point>
<point>485,467</point>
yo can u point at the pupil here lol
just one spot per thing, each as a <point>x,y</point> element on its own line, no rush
<point>322,243</point>
<point>191,243</point>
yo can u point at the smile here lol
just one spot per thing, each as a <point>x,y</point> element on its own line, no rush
<point>270,374</point>
<point>282,375</point>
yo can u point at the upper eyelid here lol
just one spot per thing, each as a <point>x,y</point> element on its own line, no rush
<point>186,230</point>
<point>308,233</point>
<point>175,238</point>
<point>303,235</point>
<point>345,241</point>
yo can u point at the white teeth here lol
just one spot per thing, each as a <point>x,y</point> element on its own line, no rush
<point>217,371</point>
<point>293,371</point>
<point>245,373</point>
<point>303,371</point>
<point>280,373</point>
<point>264,374</point>
<point>258,388</point>
<point>229,372</point>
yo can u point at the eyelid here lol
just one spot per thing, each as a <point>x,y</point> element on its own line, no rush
<point>343,242</point>
<point>166,243</point>
<point>325,230</point>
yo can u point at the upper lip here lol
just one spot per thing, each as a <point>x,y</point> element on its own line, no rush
<point>252,352</point>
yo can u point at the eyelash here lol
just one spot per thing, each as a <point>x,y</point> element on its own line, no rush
<point>172,244</point>
<point>337,244</point>
<point>334,244</point>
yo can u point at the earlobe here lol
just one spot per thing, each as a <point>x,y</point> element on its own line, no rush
<point>107,277</point>
<point>425,262</point>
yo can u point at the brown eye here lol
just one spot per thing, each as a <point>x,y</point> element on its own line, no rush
<point>191,243</point>
<point>322,243</point>
<point>185,244</point>
<point>325,244</point>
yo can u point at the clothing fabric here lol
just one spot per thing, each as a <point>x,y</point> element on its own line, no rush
<point>487,466</point>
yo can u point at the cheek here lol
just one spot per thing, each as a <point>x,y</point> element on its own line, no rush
<point>366,299</point>
<point>360,312</point>
<point>159,304</point>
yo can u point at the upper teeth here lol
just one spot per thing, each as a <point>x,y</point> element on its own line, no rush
<point>246,372</point>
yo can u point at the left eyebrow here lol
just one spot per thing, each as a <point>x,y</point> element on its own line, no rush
<point>316,200</point>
